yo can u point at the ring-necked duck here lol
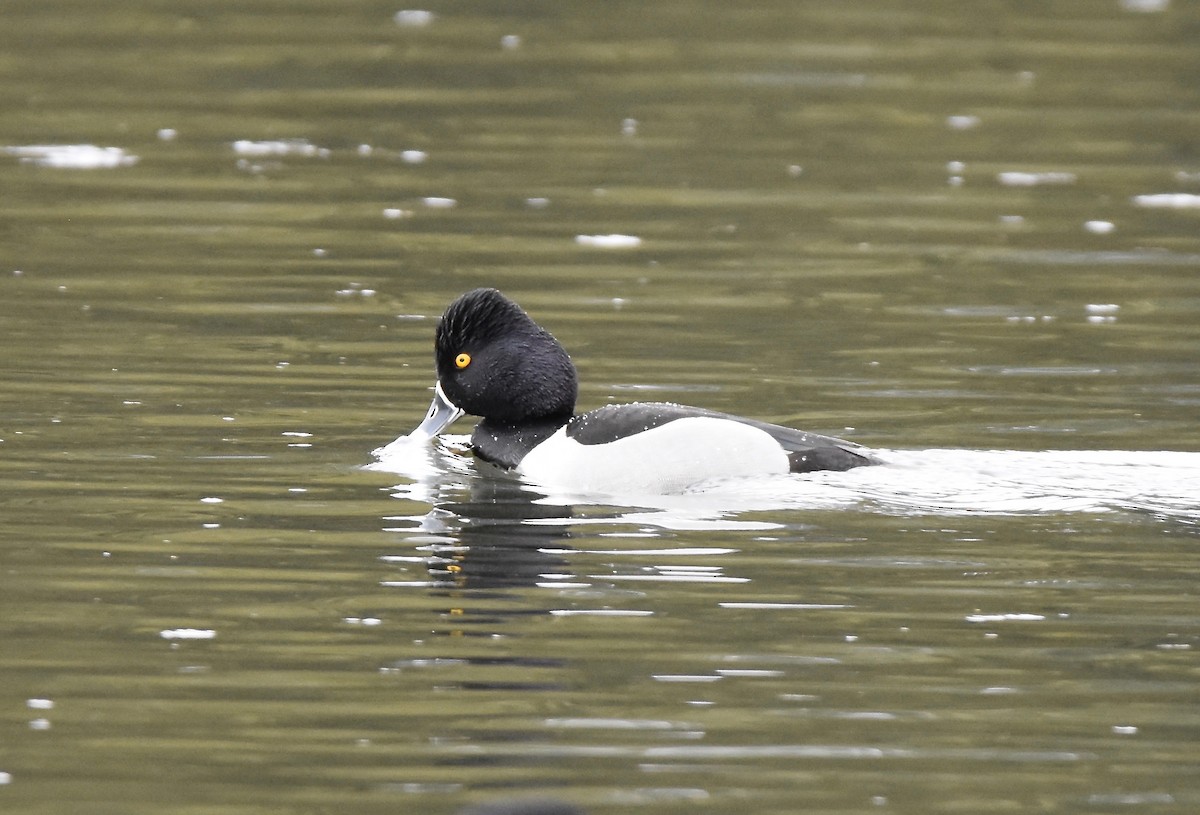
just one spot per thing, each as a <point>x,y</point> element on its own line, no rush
<point>495,362</point>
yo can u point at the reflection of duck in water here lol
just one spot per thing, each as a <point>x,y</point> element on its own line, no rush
<point>529,806</point>
<point>495,362</point>
<point>494,543</point>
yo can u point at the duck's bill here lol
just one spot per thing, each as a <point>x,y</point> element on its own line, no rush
<point>441,413</point>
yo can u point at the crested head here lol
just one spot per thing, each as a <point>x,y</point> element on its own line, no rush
<point>479,316</point>
<point>494,361</point>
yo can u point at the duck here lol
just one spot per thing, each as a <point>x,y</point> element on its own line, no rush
<point>495,362</point>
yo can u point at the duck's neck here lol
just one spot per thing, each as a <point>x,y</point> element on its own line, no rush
<point>505,445</point>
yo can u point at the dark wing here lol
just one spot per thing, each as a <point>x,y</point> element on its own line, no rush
<point>613,422</point>
<point>806,451</point>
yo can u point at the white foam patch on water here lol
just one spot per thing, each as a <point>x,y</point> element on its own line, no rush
<point>279,147</point>
<point>1168,200</point>
<point>1024,179</point>
<point>72,156</point>
<point>614,241</point>
<point>1017,482</point>
<point>188,634</point>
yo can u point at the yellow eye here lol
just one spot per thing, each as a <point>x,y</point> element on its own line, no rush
<point>462,360</point>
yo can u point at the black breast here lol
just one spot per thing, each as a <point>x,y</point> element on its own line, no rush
<point>505,445</point>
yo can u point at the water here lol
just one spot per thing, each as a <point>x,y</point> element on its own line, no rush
<point>966,240</point>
